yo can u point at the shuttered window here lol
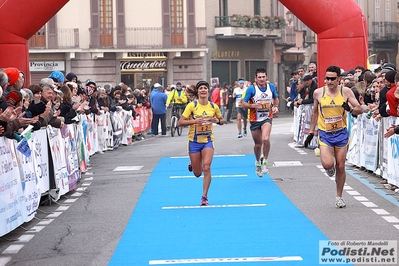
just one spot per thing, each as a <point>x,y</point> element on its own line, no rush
<point>251,66</point>
<point>226,71</point>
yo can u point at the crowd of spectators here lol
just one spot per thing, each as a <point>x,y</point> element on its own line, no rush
<point>59,99</point>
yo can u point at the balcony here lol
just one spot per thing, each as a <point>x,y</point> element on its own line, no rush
<point>127,38</point>
<point>148,38</point>
<point>288,38</point>
<point>384,31</point>
<point>61,39</point>
<point>238,26</point>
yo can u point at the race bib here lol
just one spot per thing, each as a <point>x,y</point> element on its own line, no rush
<point>333,123</point>
<point>265,106</point>
<point>204,129</point>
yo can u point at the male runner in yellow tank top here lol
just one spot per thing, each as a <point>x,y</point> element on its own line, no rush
<point>329,112</point>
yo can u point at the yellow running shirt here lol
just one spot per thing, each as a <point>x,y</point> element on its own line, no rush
<point>332,116</point>
<point>201,133</point>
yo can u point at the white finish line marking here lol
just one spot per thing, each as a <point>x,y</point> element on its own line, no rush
<point>13,249</point>
<point>191,176</point>
<point>214,206</point>
<point>380,211</point>
<point>391,219</point>
<point>127,168</point>
<point>25,238</point>
<point>219,260</point>
<point>287,163</point>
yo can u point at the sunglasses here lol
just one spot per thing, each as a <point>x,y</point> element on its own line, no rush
<point>331,78</point>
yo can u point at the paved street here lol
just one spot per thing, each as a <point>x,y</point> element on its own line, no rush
<point>138,205</point>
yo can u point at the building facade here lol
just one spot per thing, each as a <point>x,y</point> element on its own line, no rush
<point>112,41</point>
<point>165,41</point>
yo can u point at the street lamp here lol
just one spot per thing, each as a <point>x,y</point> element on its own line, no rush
<point>290,16</point>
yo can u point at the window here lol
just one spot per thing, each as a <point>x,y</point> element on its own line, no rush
<point>251,66</point>
<point>106,22</point>
<point>257,7</point>
<point>224,11</point>
<point>39,39</point>
<point>226,71</point>
<point>388,11</point>
<point>176,20</point>
<point>377,10</point>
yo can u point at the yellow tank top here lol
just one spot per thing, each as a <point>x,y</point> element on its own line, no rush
<point>332,117</point>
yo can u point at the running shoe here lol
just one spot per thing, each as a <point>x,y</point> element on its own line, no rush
<point>340,203</point>
<point>245,132</point>
<point>331,172</point>
<point>190,167</point>
<point>265,170</point>
<point>258,170</point>
<point>204,201</point>
<point>239,135</point>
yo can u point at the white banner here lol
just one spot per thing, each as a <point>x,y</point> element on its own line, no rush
<point>352,154</point>
<point>71,155</point>
<point>30,185</point>
<point>12,200</point>
<point>102,131</point>
<point>392,153</point>
<point>370,143</point>
<point>57,151</point>
<point>40,155</point>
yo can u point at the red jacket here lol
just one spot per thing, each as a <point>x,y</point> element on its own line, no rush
<point>215,97</point>
<point>392,101</point>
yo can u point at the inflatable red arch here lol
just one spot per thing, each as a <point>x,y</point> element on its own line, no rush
<point>18,23</point>
<point>341,30</point>
<point>340,26</point>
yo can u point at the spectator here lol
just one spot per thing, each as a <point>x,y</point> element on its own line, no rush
<point>91,92</point>
<point>57,77</point>
<point>68,107</point>
<point>16,79</point>
<point>310,86</point>
<point>71,77</point>
<point>158,103</point>
<point>393,101</point>
<point>230,103</point>
<point>215,97</point>
<point>390,83</point>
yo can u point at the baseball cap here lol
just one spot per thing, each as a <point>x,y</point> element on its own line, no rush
<point>307,77</point>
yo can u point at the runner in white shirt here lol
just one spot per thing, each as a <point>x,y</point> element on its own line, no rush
<point>242,113</point>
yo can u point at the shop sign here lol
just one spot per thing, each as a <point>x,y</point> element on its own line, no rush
<point>141,65</point>
<point>146,55</point>
<point>225,54</point>
<point>39,66</point>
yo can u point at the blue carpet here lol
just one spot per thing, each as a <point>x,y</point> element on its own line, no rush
<point>278,229</point>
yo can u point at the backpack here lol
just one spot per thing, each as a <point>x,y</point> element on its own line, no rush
<point>212,104</point>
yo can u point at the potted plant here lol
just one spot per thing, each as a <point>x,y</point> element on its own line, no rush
<point>256,18</point>
<point>282,22</point>
<point>234,17</point>
<point>251,22</point>
<point>262,22</point>
<point>240,21</point>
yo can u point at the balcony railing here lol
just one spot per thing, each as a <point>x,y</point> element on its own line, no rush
<point>148,38</point>
<point>384,31</point>
<point>288,36</point>
<point>238,25</point>
<point>127,38</point>
<point>61,39</point>
<point>259,22</point>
